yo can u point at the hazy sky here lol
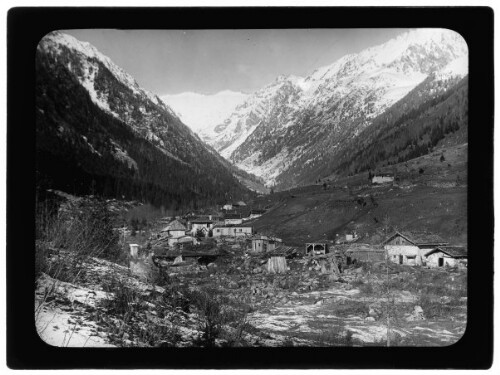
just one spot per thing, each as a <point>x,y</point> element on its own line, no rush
<point>209,61</point>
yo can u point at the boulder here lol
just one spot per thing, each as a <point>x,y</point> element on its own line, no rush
<point>417,314</point>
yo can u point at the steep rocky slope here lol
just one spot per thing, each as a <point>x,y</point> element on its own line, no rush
<point>296,121</point>
<point>98,131</point>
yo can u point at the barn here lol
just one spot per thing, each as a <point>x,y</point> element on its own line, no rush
<point>410,247</point>
<point>447,256</point>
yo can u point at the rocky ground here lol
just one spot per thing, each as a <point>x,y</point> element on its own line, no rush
<point>234,301</point>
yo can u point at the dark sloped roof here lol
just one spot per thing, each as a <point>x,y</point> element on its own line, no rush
<point>175,225</point>
<point>202,220</point>
<point>232,226</point>
<point>282,250</point>
<point>418,238</point>
<point>266,238</point>
<point>453,251</point>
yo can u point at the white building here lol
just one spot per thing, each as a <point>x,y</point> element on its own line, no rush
<point>447,256</point>
<point>232,231</point>
<point>203,224</point>
<point>382,179</point>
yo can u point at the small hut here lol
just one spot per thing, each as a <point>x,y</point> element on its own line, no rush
<point>447,256</point>
<point>316,248</point>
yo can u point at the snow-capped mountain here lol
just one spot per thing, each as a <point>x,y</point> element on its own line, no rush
<point>95,123</point>
<point>294,121</point>
<point>203,112</point>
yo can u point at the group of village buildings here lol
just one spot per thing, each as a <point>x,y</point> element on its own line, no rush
<point>408,248</point>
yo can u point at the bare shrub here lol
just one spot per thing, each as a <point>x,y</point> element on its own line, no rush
<point>79,230</point>
<point>212,315</point>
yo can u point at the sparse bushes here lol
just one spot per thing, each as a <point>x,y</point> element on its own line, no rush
<point>219,319</point>
<point>337,336</point>
<point>352,308</point>
<point>78,229</point>
<point>366,288</point>
<point>212,316</point>
<point>160,335</point>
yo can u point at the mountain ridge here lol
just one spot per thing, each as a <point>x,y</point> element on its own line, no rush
<point>95,123</point>
<point>293,120</point>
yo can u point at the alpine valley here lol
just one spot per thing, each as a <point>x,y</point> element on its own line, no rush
<point>98,131</point>
<point>386,104</point>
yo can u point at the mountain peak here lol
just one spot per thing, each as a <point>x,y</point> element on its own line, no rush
<point>275,129</point>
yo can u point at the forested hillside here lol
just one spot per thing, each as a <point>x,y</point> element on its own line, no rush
<point>97,134</point>
<point>410,128</point>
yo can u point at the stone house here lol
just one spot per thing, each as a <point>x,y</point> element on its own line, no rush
<point>205,224</point>
<point>174,229</point>
<point>447,256</point>
<point>410,247</point>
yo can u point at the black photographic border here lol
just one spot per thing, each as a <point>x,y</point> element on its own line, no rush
<point>26,26</point>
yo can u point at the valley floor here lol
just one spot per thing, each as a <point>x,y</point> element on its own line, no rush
<point>107,305</point>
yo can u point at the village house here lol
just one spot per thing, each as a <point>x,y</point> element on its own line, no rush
<point>264,243</point>
<point>203,224</point>
<point>176,233</point>
<point>232,231</point>
<point>317,248</point>
<point>410,248</point>
<point>382,179</point>
<point>233,219</point>
<point>227,207</point>
<point>174,229</point>
<point>447,256</point>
